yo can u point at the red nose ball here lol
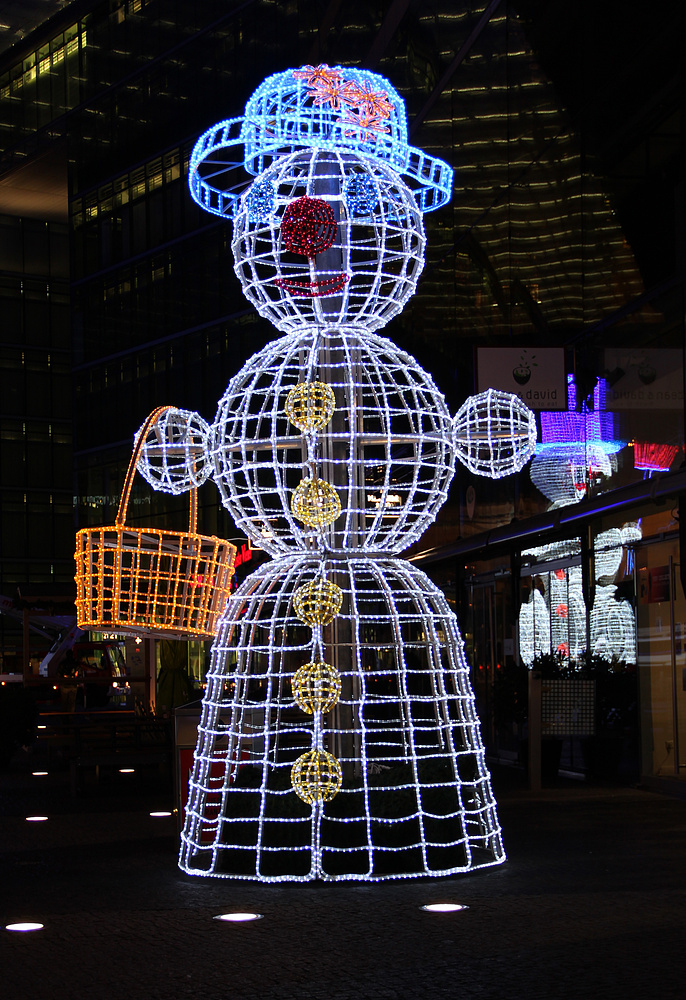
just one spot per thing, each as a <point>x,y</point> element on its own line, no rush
<point>308,226</point>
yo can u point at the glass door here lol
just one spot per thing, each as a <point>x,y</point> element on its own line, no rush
<point>662,659</point>
<point>492,648</point>
<point>678,617</point>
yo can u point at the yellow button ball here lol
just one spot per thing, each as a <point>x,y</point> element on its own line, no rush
<point>316,687</point>
<point>310,405</point>
<point>318,602</point>
<point>316,776</point>
<point>315,503</point>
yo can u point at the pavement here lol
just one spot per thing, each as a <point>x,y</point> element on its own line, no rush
<point>590,904</point>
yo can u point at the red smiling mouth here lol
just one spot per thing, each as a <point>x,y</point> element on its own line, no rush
<point>313,289</point>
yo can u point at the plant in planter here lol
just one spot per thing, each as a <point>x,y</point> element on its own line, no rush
<point>612,751</point>
<point>552,665</point>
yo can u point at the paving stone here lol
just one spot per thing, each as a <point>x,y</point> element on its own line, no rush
<point>591,904</point>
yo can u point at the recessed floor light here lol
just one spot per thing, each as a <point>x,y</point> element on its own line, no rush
<point>444,907</point>
<point>36,819</point>
<point>160,814</point>
<point>38,774</point>
<point>238,918</point>
<point>127,770</point>
<point>25,925</point>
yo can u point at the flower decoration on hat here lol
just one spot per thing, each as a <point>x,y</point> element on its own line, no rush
<point>327,86</point>
<point>365,110</point>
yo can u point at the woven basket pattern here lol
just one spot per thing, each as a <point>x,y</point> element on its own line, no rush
<point>142,581</point>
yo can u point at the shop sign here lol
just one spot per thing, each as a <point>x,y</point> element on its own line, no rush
<point>243,555</point>
<point>535,374</point>
<point>644,379</point>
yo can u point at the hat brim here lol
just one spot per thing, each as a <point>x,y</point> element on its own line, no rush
<point>217,179</point>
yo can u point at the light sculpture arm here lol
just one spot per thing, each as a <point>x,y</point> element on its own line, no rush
<point>175,453</point>
<point>494,434</point>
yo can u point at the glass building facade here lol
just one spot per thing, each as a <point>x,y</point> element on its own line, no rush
<point>560,255</point>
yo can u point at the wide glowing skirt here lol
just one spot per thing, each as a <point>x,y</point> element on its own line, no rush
<point>416,796</point>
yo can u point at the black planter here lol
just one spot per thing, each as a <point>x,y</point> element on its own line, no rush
<point>603,756</point>
<point>551,752</point>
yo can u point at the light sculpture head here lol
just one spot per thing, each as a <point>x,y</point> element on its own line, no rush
<point>328,236</point>
<point>330,231</point>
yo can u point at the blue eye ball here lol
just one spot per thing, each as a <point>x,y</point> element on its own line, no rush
<point>361,194</point>
<point>260,201</point>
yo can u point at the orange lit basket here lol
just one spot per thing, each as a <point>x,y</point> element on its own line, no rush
<point>143,582</point>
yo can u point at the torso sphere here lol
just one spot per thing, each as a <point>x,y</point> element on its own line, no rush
<point>387,449</point>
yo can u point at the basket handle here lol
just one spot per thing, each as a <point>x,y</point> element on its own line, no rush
<point>120,520</point>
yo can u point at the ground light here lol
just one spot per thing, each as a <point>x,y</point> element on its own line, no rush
<point>126,770</point>
<point>238,918</point>
<point>39,774</point>
<point>36,819</point>
<point>25,925</point>
<point>444,907</point>
<point>162,813</point>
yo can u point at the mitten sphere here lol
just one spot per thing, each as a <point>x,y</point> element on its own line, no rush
<point>494,434</point>
<point>174,455</point>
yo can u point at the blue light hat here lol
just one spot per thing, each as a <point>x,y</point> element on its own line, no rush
<point>319,107</point>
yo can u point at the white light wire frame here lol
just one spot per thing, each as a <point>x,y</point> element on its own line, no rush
<point>564,474</point>
<point>554,622</point>
<point>174,453</point>
<point>534,628</point>
<point>542,626</point>
<point>378,256</point>
<point>613,627</point>
<point>495,434</point>
<point>388,449</point>
<point>613,621</point>
<point>416,797</point>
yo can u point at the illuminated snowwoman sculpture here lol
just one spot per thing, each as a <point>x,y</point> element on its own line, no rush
<point>338,737</point>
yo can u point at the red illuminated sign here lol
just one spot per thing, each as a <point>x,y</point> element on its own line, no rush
<point>243,555</point>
